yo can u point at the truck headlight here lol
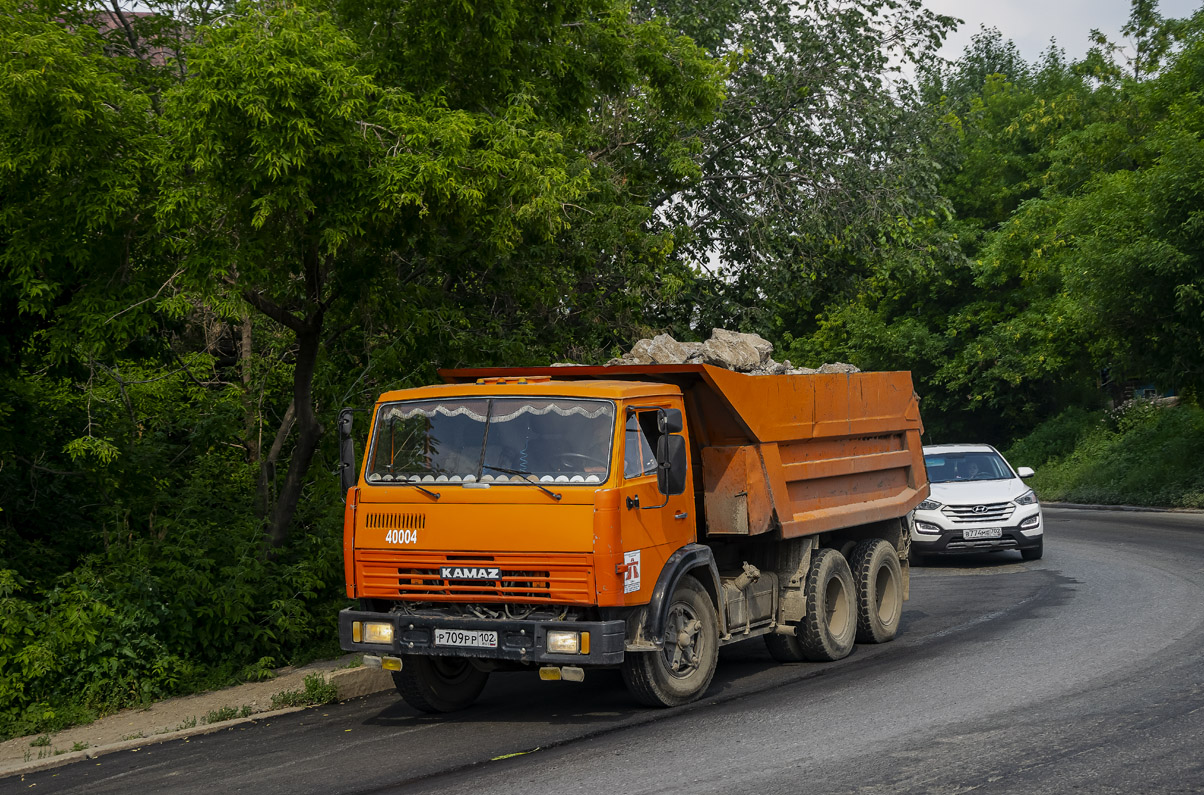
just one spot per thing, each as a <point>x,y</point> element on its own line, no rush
<point>378,632</point>
<point>562,641</point>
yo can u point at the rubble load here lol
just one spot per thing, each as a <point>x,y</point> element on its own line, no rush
<point>731,350</point>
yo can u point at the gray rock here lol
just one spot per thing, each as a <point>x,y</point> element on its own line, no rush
<point>770,367</point>
<point>731,353</point>
<point>663,349</point>
<point>732,350</point>
<point>838,367</point>
<point>762,346</point>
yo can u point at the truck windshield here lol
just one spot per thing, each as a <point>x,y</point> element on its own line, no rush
<point>492,440</point>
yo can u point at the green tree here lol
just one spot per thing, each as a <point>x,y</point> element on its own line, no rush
<point>297,171</point>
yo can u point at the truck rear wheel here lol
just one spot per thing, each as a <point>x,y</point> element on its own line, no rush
<point>830,626</point>
<point>879,582</point>
<point>439,684</point>
<point>682,670</point>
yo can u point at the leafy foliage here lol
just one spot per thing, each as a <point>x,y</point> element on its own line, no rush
<point>1128,461</point>
<point>1077,259</point>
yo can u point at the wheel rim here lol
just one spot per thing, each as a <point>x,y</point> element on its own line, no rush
<point>888,595</point>
<point>683,641</point>
<point>837,610</point>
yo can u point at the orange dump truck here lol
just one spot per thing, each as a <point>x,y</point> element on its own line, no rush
<point>556,519</point>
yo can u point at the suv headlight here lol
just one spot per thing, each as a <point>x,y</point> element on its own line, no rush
<point>931,505</point>
<point>1027,498</point>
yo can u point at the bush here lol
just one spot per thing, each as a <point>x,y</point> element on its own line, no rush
<point>1055,438</point>
<point>1150,456</point>
<point>153,619</point>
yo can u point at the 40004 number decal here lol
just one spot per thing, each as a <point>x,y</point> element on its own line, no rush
<point>401,537</point>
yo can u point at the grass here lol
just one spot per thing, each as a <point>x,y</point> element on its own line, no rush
<point>226,713</point>
<point>317,691</point>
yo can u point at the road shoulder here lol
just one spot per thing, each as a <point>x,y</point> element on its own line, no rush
<point>189,716</point>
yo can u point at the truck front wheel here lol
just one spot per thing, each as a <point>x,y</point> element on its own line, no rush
<point>682,670</point>
<point>439,684</point>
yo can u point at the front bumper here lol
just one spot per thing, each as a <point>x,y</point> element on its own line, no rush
<point>518,640</point>
<point>951,540</point>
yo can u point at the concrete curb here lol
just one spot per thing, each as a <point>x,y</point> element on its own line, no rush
<point>130,745</point>
<point>1135,508</point>
<point>349,683</point>
<point>352,683</point>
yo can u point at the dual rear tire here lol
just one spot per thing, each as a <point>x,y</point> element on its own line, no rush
<point>845,604</point>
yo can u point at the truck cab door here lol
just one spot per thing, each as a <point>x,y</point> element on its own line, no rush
<point>653,526</point>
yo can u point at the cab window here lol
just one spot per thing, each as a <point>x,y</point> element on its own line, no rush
<point>640,439</point>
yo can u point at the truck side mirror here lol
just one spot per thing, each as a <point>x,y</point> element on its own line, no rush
<point>668,421</point>
<point>347,473</point>
<point>671,463</point>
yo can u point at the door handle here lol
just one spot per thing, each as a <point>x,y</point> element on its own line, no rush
<point>680,515</point>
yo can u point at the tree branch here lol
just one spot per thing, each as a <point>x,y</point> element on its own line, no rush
<point>170,279</point>
<point>129,30</point>
<point>47,470</point>
<point>274,311</point>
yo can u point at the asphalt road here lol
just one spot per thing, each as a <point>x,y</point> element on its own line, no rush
<point>1081,672</point>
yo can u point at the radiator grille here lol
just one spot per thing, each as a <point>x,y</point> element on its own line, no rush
<point>523,578</point>
<point>389,520</point>
<point>989,512</point>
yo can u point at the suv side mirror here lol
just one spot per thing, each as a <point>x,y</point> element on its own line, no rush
<point>347,473</point>
<point>671,463</point>
<point>1025,472</point>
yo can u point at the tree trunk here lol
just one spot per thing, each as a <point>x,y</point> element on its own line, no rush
<point>309,431</point>
<point>252,425</point>
<point>267,467</point>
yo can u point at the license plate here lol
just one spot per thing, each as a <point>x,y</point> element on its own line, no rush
<point>473,638</point>
<point>971,533</point>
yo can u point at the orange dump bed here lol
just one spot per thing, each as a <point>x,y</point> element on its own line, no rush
<point>799,454</point>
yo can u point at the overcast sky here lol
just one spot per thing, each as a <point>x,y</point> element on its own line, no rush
<point>1030,23</point>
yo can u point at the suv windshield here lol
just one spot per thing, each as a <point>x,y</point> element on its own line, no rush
<point>556,440</point>
<point>950,467</point>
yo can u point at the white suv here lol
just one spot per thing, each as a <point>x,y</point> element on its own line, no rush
<point>978,503</point>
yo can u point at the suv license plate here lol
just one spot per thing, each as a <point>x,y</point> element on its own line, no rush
<point>472,638</point>
<point>971,533</point>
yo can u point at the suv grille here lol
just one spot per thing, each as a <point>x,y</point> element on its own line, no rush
<point>990,512</point>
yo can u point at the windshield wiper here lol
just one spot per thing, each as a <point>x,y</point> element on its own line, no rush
<point>434,494</point>
<point>524,475</point>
